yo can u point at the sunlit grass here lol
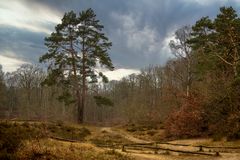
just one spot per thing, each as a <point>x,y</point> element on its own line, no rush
<point>53,149</point>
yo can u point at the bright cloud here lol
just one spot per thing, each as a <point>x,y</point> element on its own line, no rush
<point>165,43</point>
<point>35,18</point>
<point>205,2</point>
<point>10,64</point>
<point>118,74</point>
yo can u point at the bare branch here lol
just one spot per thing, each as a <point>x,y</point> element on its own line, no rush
<point>224,60</point>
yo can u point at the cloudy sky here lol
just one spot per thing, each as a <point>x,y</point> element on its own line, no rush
<point>139,29</point>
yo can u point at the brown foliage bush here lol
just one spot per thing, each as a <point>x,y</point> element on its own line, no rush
<point>187,121</point>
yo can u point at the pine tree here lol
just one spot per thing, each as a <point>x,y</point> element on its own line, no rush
<point>75,50</point>
<point>220,37</point>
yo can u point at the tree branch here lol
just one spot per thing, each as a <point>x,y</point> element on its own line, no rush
<point>224,60</point>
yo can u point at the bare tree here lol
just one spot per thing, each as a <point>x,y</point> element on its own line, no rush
<point>2,91</point>
<point>27,78</point>
<point>182,50</point>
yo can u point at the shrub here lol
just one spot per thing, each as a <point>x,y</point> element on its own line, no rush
<point>84,132</point>
<point>10,140</point>
<point>187,121</point>
<point>223,113</point>
<point>12,135</point>
<point>233,122</point>
<point>68,132</point>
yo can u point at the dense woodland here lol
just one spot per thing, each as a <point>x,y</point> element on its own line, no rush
<point>196,93</point>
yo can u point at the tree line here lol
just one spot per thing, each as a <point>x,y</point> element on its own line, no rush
<point>196,93</point>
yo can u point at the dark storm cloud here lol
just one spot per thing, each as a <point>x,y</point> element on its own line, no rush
<point>139,29</point>
<point>23,44</point>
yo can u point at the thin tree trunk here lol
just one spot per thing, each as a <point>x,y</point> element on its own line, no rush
<point>188,76</point>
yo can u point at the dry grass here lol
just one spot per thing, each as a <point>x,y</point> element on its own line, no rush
<point>223,143</point>
<point>55,150</point>
<point>145,132</point>
<point>108,137</point>
<point>43,148</point>
<point>208,142</point>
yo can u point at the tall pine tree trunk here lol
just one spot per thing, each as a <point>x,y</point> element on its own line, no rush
<point>77,87</point>
<point>83,87</point>
<point>79,107</point>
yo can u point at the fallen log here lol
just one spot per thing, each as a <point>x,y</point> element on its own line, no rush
<point>218,147</point>
<point>174,144</point>
<point>199,146</point>
<point>151,143</point>
<point>165,149</point>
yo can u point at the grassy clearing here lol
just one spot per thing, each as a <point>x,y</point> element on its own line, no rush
<point>27,140</point>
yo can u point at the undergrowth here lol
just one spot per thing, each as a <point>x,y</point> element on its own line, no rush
<point>13,134</point>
